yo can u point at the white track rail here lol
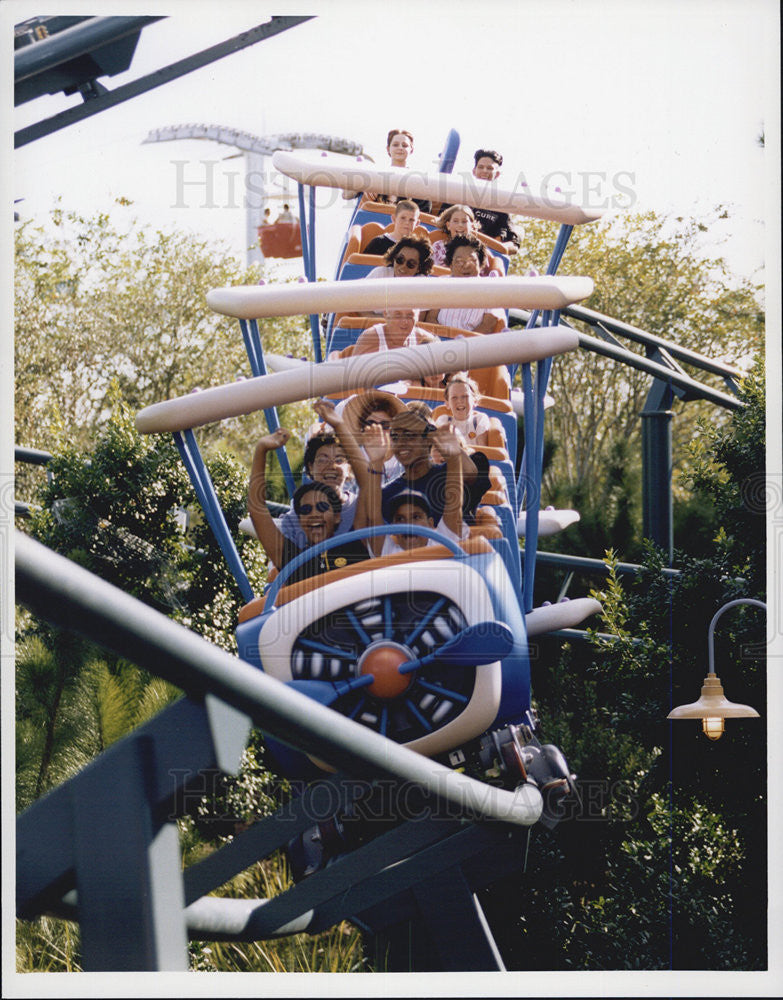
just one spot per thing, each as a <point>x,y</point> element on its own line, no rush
<point>456,189</point>
<point>358,295</point>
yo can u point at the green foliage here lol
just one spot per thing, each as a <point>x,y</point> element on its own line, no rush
<point>72,702</point>
<point>47,945</point>
<point>662,865</point>
<point>115,511</point>
<point>104,299</point>
<point>653,272</point>
<point>729,472</point>
<point>118,511</point>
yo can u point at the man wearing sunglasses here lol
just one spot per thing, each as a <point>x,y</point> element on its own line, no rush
<point>316,504</point>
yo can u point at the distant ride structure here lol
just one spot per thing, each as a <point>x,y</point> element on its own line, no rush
<point>281,239</point>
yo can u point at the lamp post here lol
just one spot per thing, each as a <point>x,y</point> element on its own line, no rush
<point>713,707</point>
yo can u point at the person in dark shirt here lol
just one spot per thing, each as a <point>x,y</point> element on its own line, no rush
<point>412,435</point>
<point>316,504</point>
<point>486,167</point>
<point>406,218</point>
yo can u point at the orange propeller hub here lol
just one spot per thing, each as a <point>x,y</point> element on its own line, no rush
<point>383,660</point>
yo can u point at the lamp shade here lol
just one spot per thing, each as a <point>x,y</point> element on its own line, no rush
<point>713,704</point>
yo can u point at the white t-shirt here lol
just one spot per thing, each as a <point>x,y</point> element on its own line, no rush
<point>380,272</point>
<point>477,423</point>
<point>467,319</point>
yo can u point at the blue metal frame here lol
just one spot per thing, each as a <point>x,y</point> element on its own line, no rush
<point>529,483</point>
<point>449,155</point>
<point>360,534</point>
<point>205,491</point>
<point>307,229</point>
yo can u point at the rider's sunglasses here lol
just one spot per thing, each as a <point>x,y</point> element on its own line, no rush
<point>411,263</point>
<point>385,424</point>
<point>320,505</point>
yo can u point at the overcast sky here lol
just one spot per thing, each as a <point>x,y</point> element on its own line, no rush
<point>654,104</point>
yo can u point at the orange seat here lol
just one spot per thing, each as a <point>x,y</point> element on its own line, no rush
<point>370,230</point>
<point>495,436</point>
<point>380,207</point>
<point>485,531</point>
<point>354,242</point>
<point>487,517</point>
<point>472,546</point>
<point>494,382</point>
<point>494,498</point>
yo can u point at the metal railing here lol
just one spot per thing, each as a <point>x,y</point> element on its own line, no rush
<point>109,833</point>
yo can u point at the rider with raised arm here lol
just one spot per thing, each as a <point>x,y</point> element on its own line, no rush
<point>412,433</point>
<point>411,506</point>
<point>316,504</point>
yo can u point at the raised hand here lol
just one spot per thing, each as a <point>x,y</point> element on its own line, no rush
<point>274,440</point>
<point>448,441</point>
<point>376,443</point>
<point>327,413</point>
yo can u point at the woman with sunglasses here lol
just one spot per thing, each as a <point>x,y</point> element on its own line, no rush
<point>317,505</point>
<point>410,257</point>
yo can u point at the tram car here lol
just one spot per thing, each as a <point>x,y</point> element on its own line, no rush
<point>427,647</point>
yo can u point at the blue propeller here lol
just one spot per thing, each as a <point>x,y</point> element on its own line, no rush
<point>474,645</point>
<point>328,692</point>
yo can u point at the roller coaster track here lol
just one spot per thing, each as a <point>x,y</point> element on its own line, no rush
<point>109,833</point>
<point>71,861</point>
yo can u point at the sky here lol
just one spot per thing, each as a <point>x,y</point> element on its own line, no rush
<point>640,104</point>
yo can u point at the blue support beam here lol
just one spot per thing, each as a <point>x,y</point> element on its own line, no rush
<point>205,491</point>
<point>657,512</point>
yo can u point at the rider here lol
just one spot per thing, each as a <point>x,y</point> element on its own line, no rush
<point>317,505</point>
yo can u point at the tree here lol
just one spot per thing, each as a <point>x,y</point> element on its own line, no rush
<point>650,271</point>
<point>103,299</point>
<point>118,511</point>
<point>662,865</point>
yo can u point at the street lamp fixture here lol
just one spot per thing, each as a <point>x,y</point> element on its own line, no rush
<point>713,706</point>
